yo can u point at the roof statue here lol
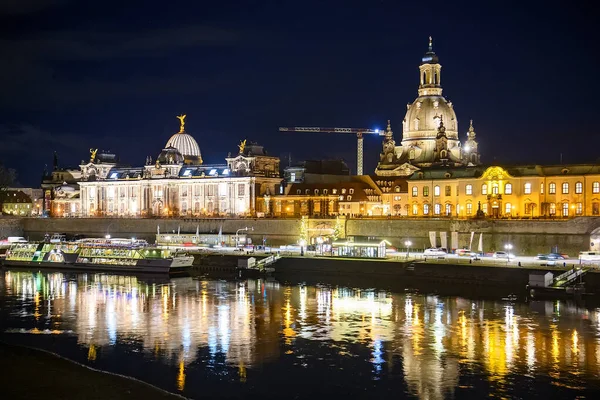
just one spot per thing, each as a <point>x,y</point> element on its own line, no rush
<point>182,122</point>
<point>242,146</point>
<point>93,154</point>
<point>430,44</point>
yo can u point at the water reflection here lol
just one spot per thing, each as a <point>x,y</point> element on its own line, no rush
<point>430,346</point>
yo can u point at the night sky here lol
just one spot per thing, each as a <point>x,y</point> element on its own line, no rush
<point>114,74</point>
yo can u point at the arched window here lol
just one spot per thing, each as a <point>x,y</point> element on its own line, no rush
<point>596,187</point>
<point>351,191</point>
<point>307,191</point>
<point>415,209</point>
<point>508,188</point>
<point>542,188</point>
<point>397,189</point>
<point>469,208</point>
<point>298,191</point>
<point>579,188</point>
<point>565,209</point>
<point>425,191</point>
<point>316,191</point>
<point>484,188</point>
<point>508,208</point>
<point>552,188</point>
<point>349,198</point>
<point>552,209</point>
<point>436,190</point>
<point>425,209</point>
<point>325,191</point>
<point>437,209</point>
<point>435,78</point>
<point>495,188</point>
<point>469,189</point>
<point>415,191</point>
<point>527,188</point>
<point>565,188</point>
<point>448,209</point>
<point>424,78</point>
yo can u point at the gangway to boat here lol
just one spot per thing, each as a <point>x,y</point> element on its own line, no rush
<point>569,277</point>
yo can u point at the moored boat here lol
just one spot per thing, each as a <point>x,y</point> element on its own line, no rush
<point>99,255</point>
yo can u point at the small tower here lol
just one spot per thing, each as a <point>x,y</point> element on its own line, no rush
<point>430,73</point>
<point>388,155</point>
<point>470,149</point>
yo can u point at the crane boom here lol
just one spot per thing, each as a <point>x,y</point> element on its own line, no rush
<point>359,132</point>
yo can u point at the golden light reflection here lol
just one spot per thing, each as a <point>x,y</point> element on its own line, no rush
<point>181,376</point>
<point>91,353</point>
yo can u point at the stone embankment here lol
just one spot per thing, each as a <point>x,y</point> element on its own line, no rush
<point>528,237</point>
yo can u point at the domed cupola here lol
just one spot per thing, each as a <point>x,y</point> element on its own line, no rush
<point>170,156</point>
<point>185,144</point>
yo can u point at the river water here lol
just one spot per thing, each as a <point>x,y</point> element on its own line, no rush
<point>204,337</point>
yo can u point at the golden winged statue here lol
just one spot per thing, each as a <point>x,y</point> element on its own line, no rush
<point>182,122</point>
<point>242,146</point>
<point>93,154</point>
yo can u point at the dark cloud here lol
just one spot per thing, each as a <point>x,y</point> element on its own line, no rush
<point>28,140</point>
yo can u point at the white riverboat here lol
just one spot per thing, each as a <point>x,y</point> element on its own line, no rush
<point>99,255</point>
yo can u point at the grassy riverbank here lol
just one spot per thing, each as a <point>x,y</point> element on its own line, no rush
<point>34,374</point>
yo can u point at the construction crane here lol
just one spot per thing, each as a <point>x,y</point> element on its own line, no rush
<point>359,132</point>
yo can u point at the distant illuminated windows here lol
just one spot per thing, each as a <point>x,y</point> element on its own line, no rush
<point>579,188</point>
<point>565,209</point>
<point>343,191</point>
<point>415,209</point>
<point>226,171</point>
<point>448,209</point>
<point>349,198</point>
<point>425,191</point>
<point>436,190</point>
<point>437,209</point>
<point>325,191</point>
<point>334,191</point>
<point>552,188</point>
<point>448,190</point>
<point>542,188</point>
<point>508,188</point>
<point>484,208</point>
<point>596,187</point>
<point>187,172</point>
<point>469,190</point>
<point>552,208</point>
<point>114,175</point>
<point>297,191</point>
<point>469,208</point>
<point>213,172</point>
<point>495,188</point>
<point>425,209</point>
<point>579,209</point>
<point>397,189</point>
<point>351,191</point>
<point>415,191</point>
<point>316,192</point>
<point>565,188</point>
<point>484,188</point>
<point>527,188</point>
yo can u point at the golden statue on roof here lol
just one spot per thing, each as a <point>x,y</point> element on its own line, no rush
<point>93,154</point>
<point>242,146</point>
<point>182,122</point>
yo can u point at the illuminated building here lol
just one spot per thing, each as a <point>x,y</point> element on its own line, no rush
<point>177,183</point>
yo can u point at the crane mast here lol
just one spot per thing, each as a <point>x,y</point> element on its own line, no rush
<point>359,132</point>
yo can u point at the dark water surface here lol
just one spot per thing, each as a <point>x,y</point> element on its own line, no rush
<point>261,338</point>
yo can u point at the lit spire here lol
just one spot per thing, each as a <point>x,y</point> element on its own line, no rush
<point>389,127</point>
<point>430,44</point>
<point>471,133</point>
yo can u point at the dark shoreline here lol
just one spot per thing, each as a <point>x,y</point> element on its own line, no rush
<point>29,373</point>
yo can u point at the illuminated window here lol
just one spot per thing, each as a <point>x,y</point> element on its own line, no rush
<point>495,188</point>
<point>297,191</point>
<point>595,208</point>
<point>436,190</point>
<point>325,191</point>
<point>507,208</point>
<point>469,189</point>
<point>448,209</point>
<point>425,209</point>
<point>565,188</point>
<point>542,188</point>
<point>213,172</point>
<point>437,209</point>
<point>343,191</point>
<point>552,208</point>
<point>469,208</point>
<point>527,188</point>
<point>484,188</point>
<point>334,191</point>
<point>552,188</point>
<point>565,209</point>
<point>293,177</point>
<point>579,209</point>
<point>307,191</point>
<point>397,189</point>
<point>596,187</point>
<point>448,190</point>
<point>415,191</point>
<point>426,191</point>
<point>508,188</point>
<point>484,208</point>
<point>351,191</point>
<point>316,191</point>
<point>397,198</point>
<point>415,209</point>
<point>349,198</point>
<point>579,188</point>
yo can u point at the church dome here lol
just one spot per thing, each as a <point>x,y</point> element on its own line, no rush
<point>185,144</point>
<point>423,118</point>
<point>170,155</point>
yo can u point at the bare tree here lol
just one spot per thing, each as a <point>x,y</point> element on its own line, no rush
<point>7,177</point>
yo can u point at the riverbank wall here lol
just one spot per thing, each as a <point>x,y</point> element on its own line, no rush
<point>526,236</point>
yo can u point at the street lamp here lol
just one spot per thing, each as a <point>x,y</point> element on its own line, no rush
<point>237,232</point>
<point>508,248</point>
<point>408,243</point>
